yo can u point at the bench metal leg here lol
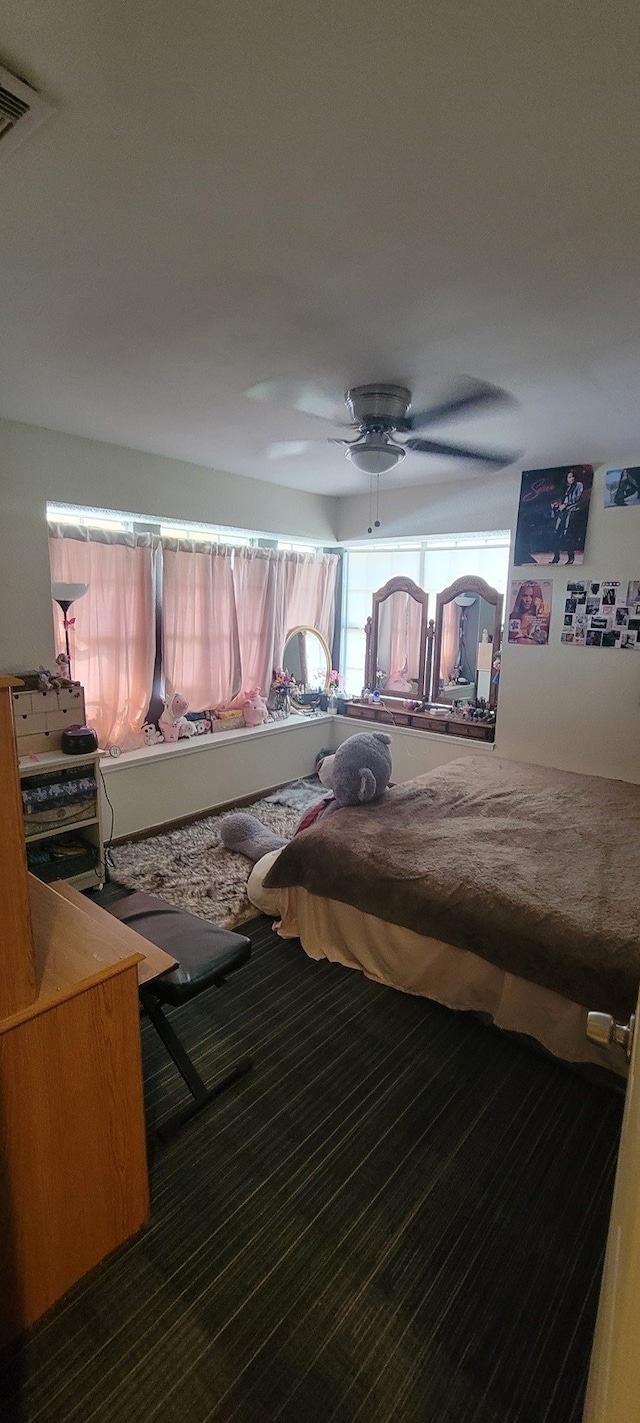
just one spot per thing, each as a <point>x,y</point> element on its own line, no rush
<point>201,1094</point>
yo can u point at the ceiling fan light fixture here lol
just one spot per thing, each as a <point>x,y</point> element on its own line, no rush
<point>374,455</point>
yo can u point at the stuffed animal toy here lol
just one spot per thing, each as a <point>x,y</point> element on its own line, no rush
<point>200,726</point>
<point>254,708</point>
<point>62,676</point>
<point>173,722</point>
<point>200,722</point>
<point>150,734</point>
<point>358,773</point>
<point>45,682</point>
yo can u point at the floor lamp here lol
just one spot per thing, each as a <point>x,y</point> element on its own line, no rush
<point>64,594</point>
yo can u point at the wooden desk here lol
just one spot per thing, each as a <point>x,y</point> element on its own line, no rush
<point>74,1184</point>
<point>155,960</point>
<point>17,980</point>
<point>73,1158</point>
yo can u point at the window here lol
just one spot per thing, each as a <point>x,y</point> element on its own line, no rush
<point>173,528</point>
<point>432,563</point>
<point>175,607</point>
<point>112,624</point>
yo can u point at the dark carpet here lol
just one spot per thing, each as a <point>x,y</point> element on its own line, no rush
<point>399,1215</point>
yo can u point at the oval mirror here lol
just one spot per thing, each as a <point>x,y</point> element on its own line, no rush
<point>307,657</point>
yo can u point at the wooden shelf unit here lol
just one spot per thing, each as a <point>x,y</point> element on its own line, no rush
<point>90,825</point>
<point>59,829</point>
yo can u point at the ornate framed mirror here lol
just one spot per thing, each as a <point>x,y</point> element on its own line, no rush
<point>307,658</point>
<point>467,639</point>
<point>397,631</point>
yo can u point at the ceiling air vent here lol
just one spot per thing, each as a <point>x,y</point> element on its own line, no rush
<point>22,111</point>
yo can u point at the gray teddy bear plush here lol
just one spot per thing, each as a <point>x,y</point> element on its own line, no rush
<point>358,773</point>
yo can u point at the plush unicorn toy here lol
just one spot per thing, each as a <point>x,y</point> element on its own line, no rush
<point>254,708</point>
<point>172,722</point>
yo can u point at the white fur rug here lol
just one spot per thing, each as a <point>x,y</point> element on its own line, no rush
<point>192,870</point>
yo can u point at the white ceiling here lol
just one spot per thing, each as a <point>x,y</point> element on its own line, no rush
<point>236,190</point>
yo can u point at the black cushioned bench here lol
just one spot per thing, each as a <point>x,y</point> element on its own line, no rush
<point>206,956</point>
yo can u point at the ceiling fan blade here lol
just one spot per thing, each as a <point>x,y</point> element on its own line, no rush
<point>301,395</point>
<point>498,459</point>
<point>284,449</point>
<point>472,395</point>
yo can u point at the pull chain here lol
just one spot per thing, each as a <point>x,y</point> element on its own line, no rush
<point>374,523</point>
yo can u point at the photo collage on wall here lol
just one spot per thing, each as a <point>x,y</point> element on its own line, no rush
<point>603,614</point>
<point>530,612</point>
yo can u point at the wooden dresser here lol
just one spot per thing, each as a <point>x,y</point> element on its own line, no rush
<point>74,1180</point>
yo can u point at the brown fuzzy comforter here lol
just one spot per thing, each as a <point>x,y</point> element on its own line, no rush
<point>533,869</point>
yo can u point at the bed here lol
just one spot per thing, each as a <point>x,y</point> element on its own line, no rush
<point>488,885</point>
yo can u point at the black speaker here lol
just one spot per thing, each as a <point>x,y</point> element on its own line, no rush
<point>79,740</point>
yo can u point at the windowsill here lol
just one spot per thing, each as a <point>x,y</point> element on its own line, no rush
<point>190,744</point>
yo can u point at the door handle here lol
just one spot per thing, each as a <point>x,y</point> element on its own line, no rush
<point>602,1029</point>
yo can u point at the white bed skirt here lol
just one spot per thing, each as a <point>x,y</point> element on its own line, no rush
<point>413,963</point>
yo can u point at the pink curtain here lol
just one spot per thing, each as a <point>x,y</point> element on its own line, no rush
<point>276,591</point>
<point>226,613</point>
<point>307,597</point>
<point>256,576</point>
<point>113,638</point>
<point>450,636</point>
<point>406,627</point>
<point>200,644</point>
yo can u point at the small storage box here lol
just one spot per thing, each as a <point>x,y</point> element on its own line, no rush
<point>58,798</point>
<point>40,718</point>
<point>228,721</point>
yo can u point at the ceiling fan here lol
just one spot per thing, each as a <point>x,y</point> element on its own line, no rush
<point>379,412</point>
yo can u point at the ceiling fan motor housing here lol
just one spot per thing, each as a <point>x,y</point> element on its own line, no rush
<point>378,405</point>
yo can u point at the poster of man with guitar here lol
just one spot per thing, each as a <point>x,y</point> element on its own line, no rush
<point>565,509</point>
<point>552,514</point>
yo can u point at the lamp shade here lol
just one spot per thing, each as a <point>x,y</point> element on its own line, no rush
<point>68,592</point>
<point>374,455</point>
<point>64,594</point>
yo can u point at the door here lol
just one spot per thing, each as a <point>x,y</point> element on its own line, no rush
<point>613,1393</point>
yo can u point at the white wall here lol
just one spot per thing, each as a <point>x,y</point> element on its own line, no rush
<point>152,787</point>
<point>479,505</point>
<point>577,708</point>
<point>413,753</point>
<point>38,465</point>
<point>158,784</point>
